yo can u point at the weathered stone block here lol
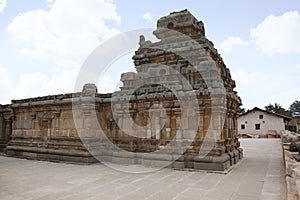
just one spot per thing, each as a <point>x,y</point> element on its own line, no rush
<point>211,166</point>
<point>123,161</point>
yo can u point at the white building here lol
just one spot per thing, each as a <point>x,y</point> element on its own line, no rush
<point>258,122</point>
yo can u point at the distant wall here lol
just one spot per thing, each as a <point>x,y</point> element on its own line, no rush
<point>1,125</point>
<point>268,122</point>
<point>5,125</point>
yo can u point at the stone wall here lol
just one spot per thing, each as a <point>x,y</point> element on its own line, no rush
<point>43,128</point>
<point>5,125</point>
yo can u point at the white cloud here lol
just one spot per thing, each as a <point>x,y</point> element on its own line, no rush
<point>69,28</point>
<point>147,16</point>
<point>259,88</point>
<point>6,85</point>
<point>33,84</point>
<point>245,77</point>
<point>252,86</point>
<point>106,85</point>
<point>227,45</point>
<point>65,33</point>
<point>278,34</point>
<point>64,65</point>
<point>3,4</point>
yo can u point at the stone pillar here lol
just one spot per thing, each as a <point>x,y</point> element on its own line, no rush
<point>56,115</point>
<point>33,117</point>
<point>49,128</point>
<point>230,131</point>
<point>201,123</point>
<point>8,120</point>
<point>87,110</point>
<point>235,125</point>
<point>225,128</point>
<point>1,127</point>
<point>157,127</point>
<point>178,128</point>
<point>168,131</point>
<point>8,129</point>
<point>120,124</point>
<point>149,129</point>
<point>178,135</point>
<point>167,125</point>
<point>114,128</point>
<point>109,127</point>
<point>173,126</point>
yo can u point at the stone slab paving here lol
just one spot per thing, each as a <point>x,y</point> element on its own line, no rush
<point>260,175</point>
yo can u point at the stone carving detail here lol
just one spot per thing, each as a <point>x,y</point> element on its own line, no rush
<point>143,41</point>
<point>89,90</point>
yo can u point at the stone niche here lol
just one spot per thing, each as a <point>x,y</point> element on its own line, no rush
<point>179,109</point>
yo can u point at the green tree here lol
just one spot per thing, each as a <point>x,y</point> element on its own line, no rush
<point>242,110</point>
<point>295,108</point>
<point>277,108</point>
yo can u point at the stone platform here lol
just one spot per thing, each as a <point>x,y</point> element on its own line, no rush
<point>260,175</point>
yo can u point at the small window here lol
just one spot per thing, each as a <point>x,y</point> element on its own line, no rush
<point>261,116</point>
<point>257,126</point>
<point>242,126</point>
<point>170,25</point>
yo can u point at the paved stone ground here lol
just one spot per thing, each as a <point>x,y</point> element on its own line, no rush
<point>260,175</point>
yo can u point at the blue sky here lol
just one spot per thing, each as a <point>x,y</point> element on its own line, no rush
<point>44,43</point>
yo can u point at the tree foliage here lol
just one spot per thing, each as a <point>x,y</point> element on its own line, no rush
<point>277,108</point>
<point>242,110</point>
<point>295,108</point>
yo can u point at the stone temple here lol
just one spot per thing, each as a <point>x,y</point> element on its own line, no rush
<point>178,109</point>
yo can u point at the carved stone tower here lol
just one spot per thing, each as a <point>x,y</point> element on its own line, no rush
<point>182,92</point>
